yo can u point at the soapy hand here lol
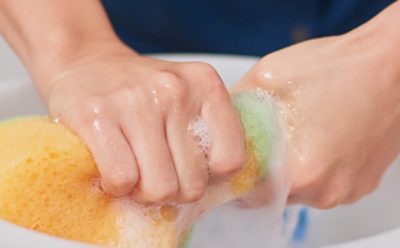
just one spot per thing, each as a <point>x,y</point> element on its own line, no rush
<point>339,102</point>
<point>134,113</point>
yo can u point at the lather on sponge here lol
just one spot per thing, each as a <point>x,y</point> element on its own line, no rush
<point>48,183</point>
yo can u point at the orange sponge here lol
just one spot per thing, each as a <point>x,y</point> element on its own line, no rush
<point>48,183</point>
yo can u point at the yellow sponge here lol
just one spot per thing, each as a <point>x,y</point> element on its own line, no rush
<point>48,183</point>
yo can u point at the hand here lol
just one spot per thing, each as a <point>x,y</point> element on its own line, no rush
<point>134,114</point>
<point>339,101</point>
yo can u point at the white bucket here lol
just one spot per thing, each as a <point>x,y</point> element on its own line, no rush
<point>373,222</point>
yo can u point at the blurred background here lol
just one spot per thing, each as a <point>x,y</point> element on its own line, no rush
<point>10,67</point>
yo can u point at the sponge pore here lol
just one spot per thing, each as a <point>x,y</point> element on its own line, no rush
<point>46,182</point>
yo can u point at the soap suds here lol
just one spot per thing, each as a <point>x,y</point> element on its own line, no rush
<point>199,129</point>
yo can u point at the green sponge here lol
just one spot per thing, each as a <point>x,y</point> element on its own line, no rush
<point>258,116</point>
<point>257,113</point>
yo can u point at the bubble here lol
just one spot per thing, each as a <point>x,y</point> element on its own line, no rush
<point>261,95</point>
<point>199,129</point>
<point>268,75</point>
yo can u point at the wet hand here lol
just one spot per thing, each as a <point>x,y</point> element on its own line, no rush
<point>134,113</point>
<point>339,101</point>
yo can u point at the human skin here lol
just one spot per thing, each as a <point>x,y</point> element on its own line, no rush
<point>133,112</point>
<point>339,99</point>
<point>335,93</point>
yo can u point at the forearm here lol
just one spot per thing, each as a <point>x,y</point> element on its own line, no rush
<point>48,33</point>
<point>378,43</point>
<point>376,40</point>
<point>384,32</point>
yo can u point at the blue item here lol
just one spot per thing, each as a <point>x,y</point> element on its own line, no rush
<point>302,226</point>
<point>252,27</point>
<point>301,217</point>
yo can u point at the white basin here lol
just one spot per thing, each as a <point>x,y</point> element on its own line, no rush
<point>373,222</point>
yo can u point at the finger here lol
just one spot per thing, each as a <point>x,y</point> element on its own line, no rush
<point>310,195</point>
<point>294,199</point>
<point>189,159</point>
<point>306,186</point>
<point>227,154</point>
<point>325,197</point>
<point>113,156</point>
<point>352,197</point>
<point>158,180</point>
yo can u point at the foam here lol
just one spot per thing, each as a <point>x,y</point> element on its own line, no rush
<point>259,117</point>
<point>146,226</point>
<point>48,182</point>
<point>199,129</point>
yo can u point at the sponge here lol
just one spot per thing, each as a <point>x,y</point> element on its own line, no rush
<point>46,182</point>
<point>49,183</point>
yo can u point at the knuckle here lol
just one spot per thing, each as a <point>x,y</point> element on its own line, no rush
<point>227,165</point>
<point>325,204</point>
<point>215,87</point>
<point>309,173</point>
<point>179,94</point>
<point>205,69</point>
<point>176,90</point>
<point>260,75</point>
<point>195,193</point>
<point>120,185</point>
<point>85,113</point>
<point>139,98</point>
<point>125,93</point>
<point>128,96</point>
<point>161,194</point>
<point>303,182</point>
<point>167,79</point>
<point>208,75</point>
<point>330,200</point>
<point>94,105</point>
<point>237,161</point>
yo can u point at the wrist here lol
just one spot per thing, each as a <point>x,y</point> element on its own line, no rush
<point>389,23</point>
<point>64,47</point>
<point>382,35</point>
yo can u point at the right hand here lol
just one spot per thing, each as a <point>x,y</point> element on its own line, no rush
<point>134,112</point>
<point>340,112</point>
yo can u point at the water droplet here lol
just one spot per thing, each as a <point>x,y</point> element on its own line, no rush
<point>268,75</point>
